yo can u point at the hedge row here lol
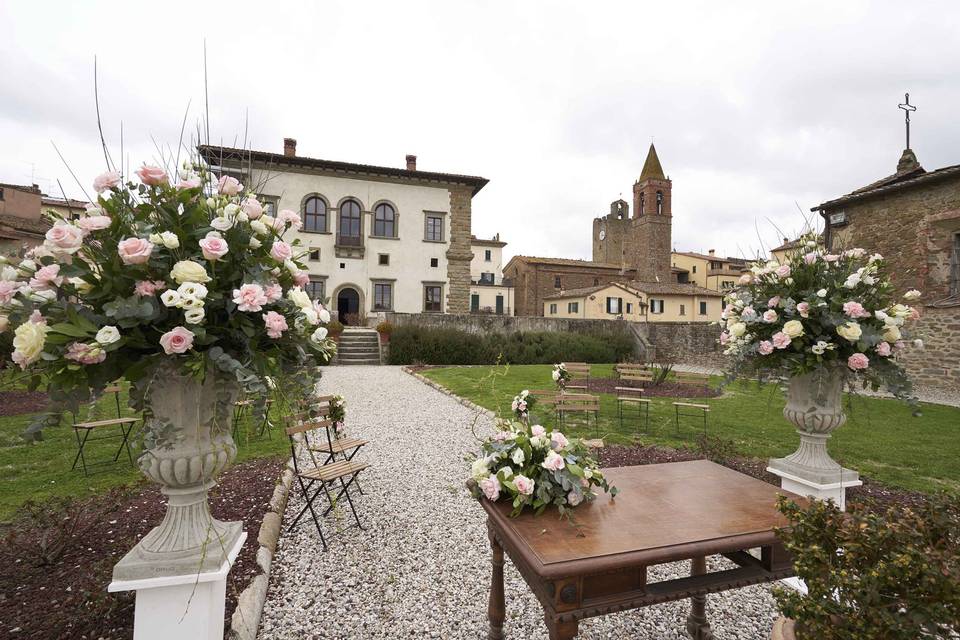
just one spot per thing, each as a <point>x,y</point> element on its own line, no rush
<point>419,345</point>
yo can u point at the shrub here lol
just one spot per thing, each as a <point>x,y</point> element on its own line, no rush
<point>892,575</point>
<point>385,327</point>
<point>335,327</point>
<point>452,346</point>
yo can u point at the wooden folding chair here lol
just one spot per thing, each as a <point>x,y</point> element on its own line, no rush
<point>331,446</point>
<point>343,472</point>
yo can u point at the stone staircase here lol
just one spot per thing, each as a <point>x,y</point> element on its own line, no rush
<point>358,346</point>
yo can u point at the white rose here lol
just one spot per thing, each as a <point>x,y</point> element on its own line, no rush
<point>211,202</point>
<point>9,274</point>
<point>311,315</point>
<point>28,341</point>
<point>170,298</point>
<point>108,335</point>
<point>194,316</point>
<point>242,217</point>
<point>259,228</point>
<point>155,238</point>
<point>254,243</point>
<point>479,470</point>
<point>737,329</point>
<point>28,265</point>
<point>324,316</point>
<point>319,335</point>
<point>793,328</point>
<point>291,266</point>
<point>852,280</point>
<point>850,330</point>
<point>45,295</point>
<point>913,294</point>
<point>170,239</point>
<point>517,456</point>
<point>231,210</point>
<point>822,293</point>
<point>189,271</point>
<point>299,297</point>
<point>221,223</point>
<point>891,333</point>
<point>881,315</point>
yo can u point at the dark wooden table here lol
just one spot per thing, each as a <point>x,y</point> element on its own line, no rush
<point>664,513</point>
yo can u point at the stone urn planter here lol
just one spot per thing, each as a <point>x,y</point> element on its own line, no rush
<point>815,407</point>
<point>783,629</point>
<point>187,443</point>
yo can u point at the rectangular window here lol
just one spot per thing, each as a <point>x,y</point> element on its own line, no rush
<point>434,262</point>
<point>614,305</point>
<point>683,310</point>
<point>703,308</point>
<point>629,307</point>
<point>573,307</point>
<point>434,229</point>
<point>383,259</point>
<point>433,298</point>
<point>553,309</point>
<point>556,282</point>
<point>316,289</point>
<point>499,305</point>
<point>382,296</point>
<point>694,268</point>
<point>656,306</point>
<point>487,255</point>
<point>314,254</point>
<point>486,278</point>
<point>474,302</point>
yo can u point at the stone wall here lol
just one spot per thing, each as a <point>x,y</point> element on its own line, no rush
<point>459,255</point>
<point>676,342</point>
<point>534,281</point>
<point>938,364</point>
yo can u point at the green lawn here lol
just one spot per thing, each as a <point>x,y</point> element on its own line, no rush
<point>42,469</point>
<point>880,439</point>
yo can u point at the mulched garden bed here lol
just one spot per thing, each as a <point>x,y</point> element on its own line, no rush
<point>14,403</point>
<point>662,390</point>
<point>881,495</point>
<point>68,598</point>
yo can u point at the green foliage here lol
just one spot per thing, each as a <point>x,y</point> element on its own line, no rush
<point>410,345</point>
<point>385,327</point>
<point>893,575</point>
<point>660,373</point>
<point>335,327</point>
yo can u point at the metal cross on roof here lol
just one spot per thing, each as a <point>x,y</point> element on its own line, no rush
<point>907,108</point>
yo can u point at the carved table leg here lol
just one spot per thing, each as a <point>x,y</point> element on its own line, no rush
<point>697,626</point>
<point>496,609</point>
<point>562,630</point>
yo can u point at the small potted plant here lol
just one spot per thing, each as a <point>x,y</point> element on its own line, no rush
<point>891,574</point>
<point>385,329</point>
<point>334,329</point>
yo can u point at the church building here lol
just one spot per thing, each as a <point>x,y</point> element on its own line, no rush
<point>633,250</point>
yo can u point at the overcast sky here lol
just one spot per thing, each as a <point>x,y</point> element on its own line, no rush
<point>758,109</point>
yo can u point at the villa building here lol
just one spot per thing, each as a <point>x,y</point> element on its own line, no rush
<point>708,270</point>
<point>490,292</point>
<point>376,239</point>
<point>637,302</point>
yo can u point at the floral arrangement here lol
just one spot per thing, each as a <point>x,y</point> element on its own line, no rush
<point>337,415</point>
<point>193,270</point>
<point>560,375</point>
<point>818,310</point>
<point>532,468</point>
<point>522,404</point>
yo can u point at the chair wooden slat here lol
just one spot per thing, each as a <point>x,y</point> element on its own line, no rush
<point>104,423</point>
<point>334,470</point>
<point>339,445</point>
<point>307,426</point>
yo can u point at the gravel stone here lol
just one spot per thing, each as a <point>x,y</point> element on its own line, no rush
<point>422,567</point>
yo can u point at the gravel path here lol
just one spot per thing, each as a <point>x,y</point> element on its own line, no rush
<point>422,568</point>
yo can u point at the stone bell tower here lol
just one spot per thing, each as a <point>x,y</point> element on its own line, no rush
<point>651,226</point>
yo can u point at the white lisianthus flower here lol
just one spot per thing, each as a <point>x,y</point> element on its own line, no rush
<point>324,316</point>
<point>9,274</point>
<point>189,271</point>
<point>555,375</point>
<point>221,223</point>
<point>737,329</point>
<point>913,294</point>
<point>319,335</point>
<point>822,293</point>
<point>169,240</point>
<point>108,335</point>
<point>518,457</point>
<point>45,295</point>
<point>192,290</point>
<point>170,298</point>
<point>891,333</point>
<point>540,442</point>
<point>254,243</point>
<point>291,266</point>
<point>819,348</point>
<point>155,238</point>
<point>793,328</point>
<point>259,228</point>
<point>191,302</point>
<point>212,203</point>
<point>194,316</point>
<point>243,217</point>
<point>299,297</point>
<point>231,210</point>
<point>850,330</point>
<point>479,470</point>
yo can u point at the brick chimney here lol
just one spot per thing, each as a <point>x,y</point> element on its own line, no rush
<point>411,162</point>
<point>289,147</point>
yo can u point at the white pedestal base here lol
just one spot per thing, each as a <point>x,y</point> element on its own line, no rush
<point>186,606</point>
<point>835,490</point>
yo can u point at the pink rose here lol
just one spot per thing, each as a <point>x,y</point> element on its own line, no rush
<point>301,278</point>
<point>135,250</point>
<point>177,340</point>
<point>273,292</point>
<point>765,348</point>
<point>291,218</point>
<point>37,318</point>
<point>855,310</point>
<point>144,288</point>
<point>105,181</point>
<point>783,270</point>
<point>769,315</point>
<point>724,337</point>
<point>884,349</point>
<point>558,440</point>
<point>276,324</point>
<point>189,183</point>
<point>229,186</point>
<point>249,297</point>
<point>47,277</point>
<point>537,430</point>
<point>804,309</point>
<point>553,462</point>
<point>8,289</point>
<point>281,251</point>
<point>899,345</point>
<point>858,362</point>
<point>810,258</point>
<point>252,208</point>
<point>151,175</point>
<point>914,313</point>
<point>90,223</point>
<point>85,353</point>
<point>574,498</point>
<point>781,340</point>
<point>63,238</point>
<point>524,485</point>
<point>213,246</point>
<point>830,257</point>
<point>773,302</point>
<point>491,488</point>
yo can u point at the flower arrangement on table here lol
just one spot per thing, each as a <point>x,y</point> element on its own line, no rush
<point>338,415</point>
<point>819,310</point>
<point>193,272</point>
<point>523,403</point>
<point>531,468</point>
<point>560,376</point>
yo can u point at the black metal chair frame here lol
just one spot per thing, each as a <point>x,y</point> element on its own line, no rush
<point>680,414</point>
<point>126,428</point>
<point>331,453</point>
<point>643,409</point>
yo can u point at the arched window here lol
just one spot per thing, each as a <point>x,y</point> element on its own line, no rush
<point>659,202</point>
<point>384,221</point>
<point>315,215</point>
<point>349,226</point>
<point>642,198</point>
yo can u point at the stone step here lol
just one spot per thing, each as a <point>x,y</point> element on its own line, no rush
<point>342,360</point>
